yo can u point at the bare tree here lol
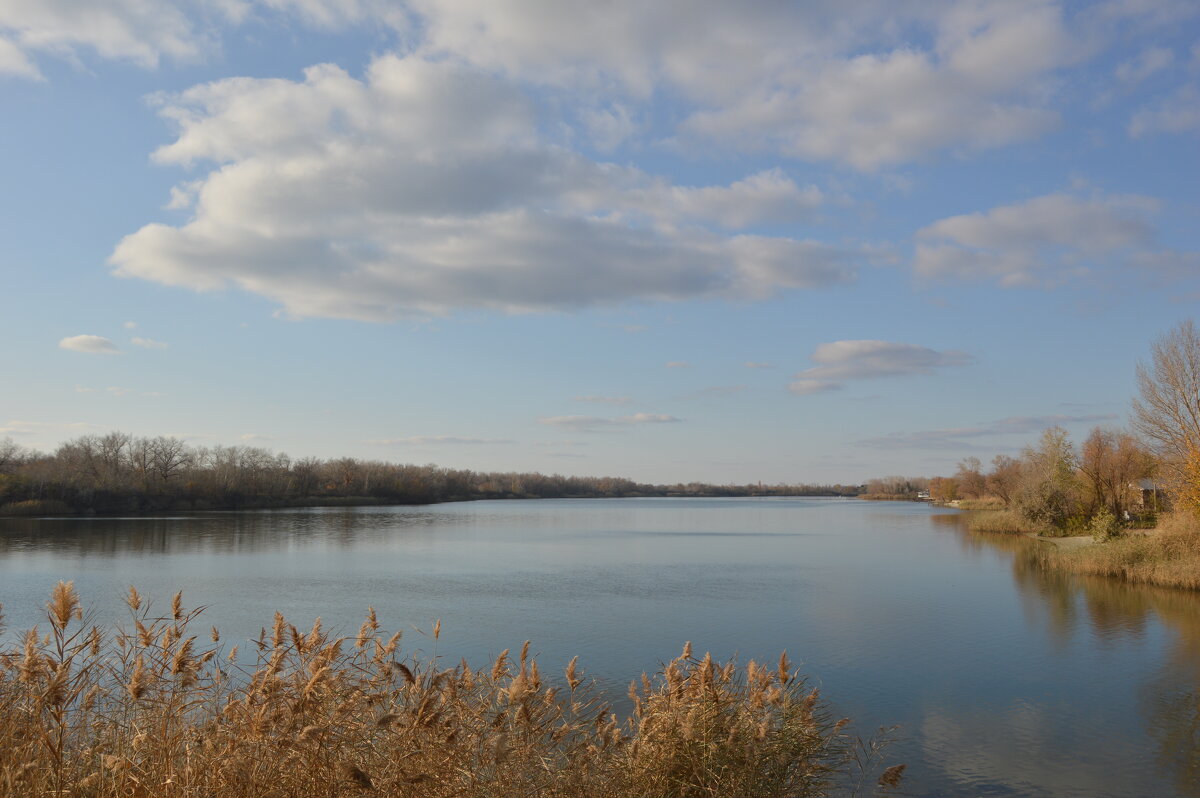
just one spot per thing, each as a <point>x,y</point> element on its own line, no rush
<point>1005,477</point>
<point>1110,461</point>
<point>1167,413</point>
<point>168,456</point>
<point>11,455</point>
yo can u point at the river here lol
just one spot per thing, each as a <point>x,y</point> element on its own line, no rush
<point>1004,680</point>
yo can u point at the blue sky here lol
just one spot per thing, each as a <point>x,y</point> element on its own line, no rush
<point>694,240</point>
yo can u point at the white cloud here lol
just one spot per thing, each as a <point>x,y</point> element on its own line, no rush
<point>597,423</point>
<point>254,436</point>
<point>1041,241</point>
<point>1178,113</point>
<point>425,188</point>
<point>92,344</point>
<point>817,80</point>
<point>130,325</point>
<point>1146,63</point>
<point>141,31</point>
<point>13,61</point>
<point>840,361</point>
<point>147,343</point>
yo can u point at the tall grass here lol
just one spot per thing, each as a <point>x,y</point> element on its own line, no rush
<point>1169,557</point>
<point>1007,522</point>
<point>158,709</point>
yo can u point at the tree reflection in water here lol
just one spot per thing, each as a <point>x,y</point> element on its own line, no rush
<point>1169,696</point>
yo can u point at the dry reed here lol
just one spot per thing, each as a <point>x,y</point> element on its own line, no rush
<point>151,710</point>
<point>1168,557</point>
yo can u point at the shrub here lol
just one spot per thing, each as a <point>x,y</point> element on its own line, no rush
<point>1104,526</point>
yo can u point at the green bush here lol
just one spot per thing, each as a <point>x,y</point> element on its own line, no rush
<point>1104,526</point>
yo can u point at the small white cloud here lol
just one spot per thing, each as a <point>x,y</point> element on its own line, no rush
<point>82,389</point>
<point>809,387</point>
<point>254,436</point>
<point>605,400</point>
<point>116,390</point>
<point>1179,113</point>
<point>678,364</point>
<point>130,325</point>
<point>839,361</point>
<point>147,343</point>
<point>1145,64</point>
<point>92,344</point>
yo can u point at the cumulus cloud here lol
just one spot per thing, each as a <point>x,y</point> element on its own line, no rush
<point>425,188</point>
<point>840,361</point>
<point>960,438</point>
<point>597,423</point>
<point>814,80</point>
<point>1041,241</point>
<point>92,344</point>
<point>147,343</point>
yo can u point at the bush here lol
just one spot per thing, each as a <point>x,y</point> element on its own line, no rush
<point>1104,526</point>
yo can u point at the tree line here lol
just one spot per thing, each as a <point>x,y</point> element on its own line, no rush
<point>118,473</point>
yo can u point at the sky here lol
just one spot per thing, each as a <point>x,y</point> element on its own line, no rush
<point>674,241</point>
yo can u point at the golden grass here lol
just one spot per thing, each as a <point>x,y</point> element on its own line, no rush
<point>155,710</point>
<point>1006,522</point>
<point>984,503</point>
<point>1169,556</point>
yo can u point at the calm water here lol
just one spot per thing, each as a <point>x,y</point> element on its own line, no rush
<point>1004,681</point>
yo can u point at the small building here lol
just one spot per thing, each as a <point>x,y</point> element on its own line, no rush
<point>1148,494</point>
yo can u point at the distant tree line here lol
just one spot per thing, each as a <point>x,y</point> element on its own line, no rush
<point>119,473</point>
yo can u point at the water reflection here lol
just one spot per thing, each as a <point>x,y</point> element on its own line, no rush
<point>1113,614</point>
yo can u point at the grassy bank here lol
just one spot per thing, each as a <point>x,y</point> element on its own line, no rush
<point>153,711</point>
<point>1168,556</point>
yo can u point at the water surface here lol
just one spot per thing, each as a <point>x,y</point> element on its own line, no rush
<point>1004,680</point>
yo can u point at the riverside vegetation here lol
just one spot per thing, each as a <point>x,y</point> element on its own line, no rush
<point>1136,495</point>
<point>152,711</point>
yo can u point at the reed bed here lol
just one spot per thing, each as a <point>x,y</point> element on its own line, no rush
<point>1004,522</point>
<point>1168,557</point>
<point>158,709</point>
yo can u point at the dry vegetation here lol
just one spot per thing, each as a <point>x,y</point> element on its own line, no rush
<point>1168,557</point>
<point>154,711</point>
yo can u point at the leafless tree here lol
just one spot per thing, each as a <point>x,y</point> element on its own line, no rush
<point>1110,461</point>
<point>1167,412</point>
